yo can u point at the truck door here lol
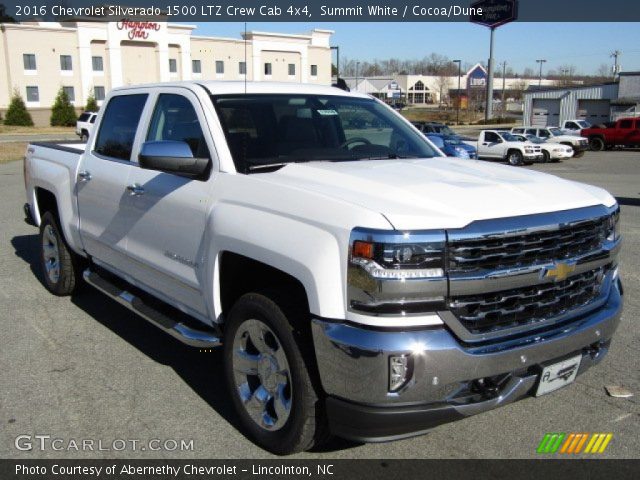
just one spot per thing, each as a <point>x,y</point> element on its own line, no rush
<point>491,145</point>
<point>624,133</point>
<point>166,242</point>
<point>102,179</point>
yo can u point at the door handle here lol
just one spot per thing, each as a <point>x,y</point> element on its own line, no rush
<point>84,176</point>
<point>135,189</point>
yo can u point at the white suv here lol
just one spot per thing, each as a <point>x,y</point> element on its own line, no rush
<point>556,135</point>
<point>84,125</point>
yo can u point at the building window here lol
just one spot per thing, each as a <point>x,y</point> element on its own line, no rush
<point>196,66</point>
<point>219,67</point>
<point>173,65</point>
<point>267,69</point>
<point>66,63</point>
<point>242,68</point>
<point>33,95</point>
<point>98,93</point>
<point>314,70</point>
<point>71,94</point>
<point>29,60</point>
<point>292,69</point>
<point>98,65</point>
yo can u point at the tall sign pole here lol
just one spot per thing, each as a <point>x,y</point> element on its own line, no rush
<point>492,14</point>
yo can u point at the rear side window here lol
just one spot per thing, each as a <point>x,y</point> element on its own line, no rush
<point>84,117</point>
<point>119,124</point>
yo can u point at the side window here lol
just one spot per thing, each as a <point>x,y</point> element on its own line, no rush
<point>119,124</point>
<point>573,126</point>
<point>491,137</point>
<point>625,123</point>
<point>532,131</point>
<point>174,118</point>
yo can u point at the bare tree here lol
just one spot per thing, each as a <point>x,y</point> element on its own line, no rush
<point>444,83</point>
<point>528,73</point>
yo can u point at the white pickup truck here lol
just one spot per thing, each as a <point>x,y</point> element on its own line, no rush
<point>556,135</point>
<point>359,283</point>
<point>499,144</point>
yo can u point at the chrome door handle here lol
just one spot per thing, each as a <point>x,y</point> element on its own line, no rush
<point>135,189</point>
<point>84,176</point>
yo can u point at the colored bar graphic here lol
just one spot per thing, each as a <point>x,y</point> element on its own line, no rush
<point>573,443</point>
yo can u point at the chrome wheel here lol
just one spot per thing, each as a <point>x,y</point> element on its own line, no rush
<point>51,254</point>
<point>262,375</point>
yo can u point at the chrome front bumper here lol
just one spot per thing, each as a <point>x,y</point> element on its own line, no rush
<point>354,369</point>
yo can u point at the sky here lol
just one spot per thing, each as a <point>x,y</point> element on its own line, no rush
<point>584,45</point>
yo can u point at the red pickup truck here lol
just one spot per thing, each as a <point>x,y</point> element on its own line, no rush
<point>625,132</point>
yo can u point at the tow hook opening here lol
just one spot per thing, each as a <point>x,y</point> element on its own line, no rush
<point>596,350</point>
<point>489,387</point>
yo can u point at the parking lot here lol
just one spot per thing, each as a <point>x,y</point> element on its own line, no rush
<point>86,368</point>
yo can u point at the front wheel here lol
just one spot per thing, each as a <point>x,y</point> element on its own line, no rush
<point>545,156</point>
<point>515,158</point>
<point>596,144</point>
<point>269,371</point>
<point>84,138</point>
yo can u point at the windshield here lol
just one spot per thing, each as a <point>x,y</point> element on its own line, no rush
<point>452,140</point>
<point>556,131</point>
<point>265,130</point>
<point>583,124</point>
<point>534,139</point>
<point>508,137</point>
<point>444,130</point>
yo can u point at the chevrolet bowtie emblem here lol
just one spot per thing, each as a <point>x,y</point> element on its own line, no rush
<point>560,271</point>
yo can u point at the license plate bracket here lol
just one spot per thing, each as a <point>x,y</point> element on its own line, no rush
<point>558,375</point>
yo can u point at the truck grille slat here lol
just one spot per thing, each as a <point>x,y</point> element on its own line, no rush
<point>469,255</point>
<point>528,305</point>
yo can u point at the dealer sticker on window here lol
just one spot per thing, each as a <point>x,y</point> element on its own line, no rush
<point>558,375</point>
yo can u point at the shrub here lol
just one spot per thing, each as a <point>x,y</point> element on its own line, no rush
<point>62,113</point>
<point>17,114</point>
<point>92,105</point>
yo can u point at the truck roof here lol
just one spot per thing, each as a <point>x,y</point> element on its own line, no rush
<point>217,87</point>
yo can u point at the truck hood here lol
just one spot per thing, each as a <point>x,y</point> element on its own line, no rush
<point>567,138</point>
<point>439,192</point>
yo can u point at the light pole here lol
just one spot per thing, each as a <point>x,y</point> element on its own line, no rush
<point>459,62</point>
<point>504,77</point>
<point>357,67</point>
<point>540,61</point>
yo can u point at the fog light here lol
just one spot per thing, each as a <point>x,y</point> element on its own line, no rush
<point>399,371</point>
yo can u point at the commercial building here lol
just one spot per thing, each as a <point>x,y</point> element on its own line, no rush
<point>37,58</point>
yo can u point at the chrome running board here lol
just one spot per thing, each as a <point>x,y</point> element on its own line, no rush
<point>188,335</point>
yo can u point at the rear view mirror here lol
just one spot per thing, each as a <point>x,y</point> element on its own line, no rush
<point>172,157</point>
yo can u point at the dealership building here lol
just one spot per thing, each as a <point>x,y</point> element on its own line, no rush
<point>38,58</point>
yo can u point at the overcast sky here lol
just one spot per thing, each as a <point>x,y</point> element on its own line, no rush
<point>584,45</point>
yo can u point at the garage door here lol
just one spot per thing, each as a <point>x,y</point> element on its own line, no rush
<point>545,112</point>
<point>594,111</point>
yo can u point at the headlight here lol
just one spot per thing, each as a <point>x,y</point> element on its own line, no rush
<point>396,273</point>
<point>613,225</point>
<point>462,153</point>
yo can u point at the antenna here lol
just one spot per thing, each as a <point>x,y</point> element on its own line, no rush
<point>246,65</point>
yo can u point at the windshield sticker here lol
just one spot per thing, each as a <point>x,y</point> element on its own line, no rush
<point>327,112</point>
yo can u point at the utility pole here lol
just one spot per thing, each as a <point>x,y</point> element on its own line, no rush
<point>540,61</point>
<point>357,67</point>
<point>459,62</point>
<point>337,49</point>
<point>616,68</point>
<point>504,76</point>
<point>488,112</point>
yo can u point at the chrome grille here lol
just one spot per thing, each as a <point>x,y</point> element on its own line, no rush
<point>506,309</point>
<point>539,247</point>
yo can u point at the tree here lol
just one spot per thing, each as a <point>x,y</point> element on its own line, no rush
<point>92,105</point>
<point>17,114</point>
<point>443,82</point>
<point>62,113</point>
<point>4,18</point>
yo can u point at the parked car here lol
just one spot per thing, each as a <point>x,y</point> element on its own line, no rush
<point>551,152</point>
<point>452,146</point>
<point>500,144</point>
<point>366,287</point>
<point>624,133</point>
<point>434,127</point>
<point>84,125</point>
<point>573,126</point>
<point>556,135</point>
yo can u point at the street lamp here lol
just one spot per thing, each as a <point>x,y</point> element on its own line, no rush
<point>459,62</point>
<point>540,61</point>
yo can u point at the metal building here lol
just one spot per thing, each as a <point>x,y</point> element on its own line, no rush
<point>552,106</point>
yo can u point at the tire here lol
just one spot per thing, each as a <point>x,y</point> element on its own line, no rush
<point>515,158</point>
<point>578,154</point>
<point>546,158</point>
<point>84,137</point>
<point>596,144</point>
<point>61,268</point>
<point>274,377</point>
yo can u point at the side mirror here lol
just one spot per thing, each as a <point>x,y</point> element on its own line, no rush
<point>172,157</point>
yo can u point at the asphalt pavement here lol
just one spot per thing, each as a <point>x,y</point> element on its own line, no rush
<point>85,368</point>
